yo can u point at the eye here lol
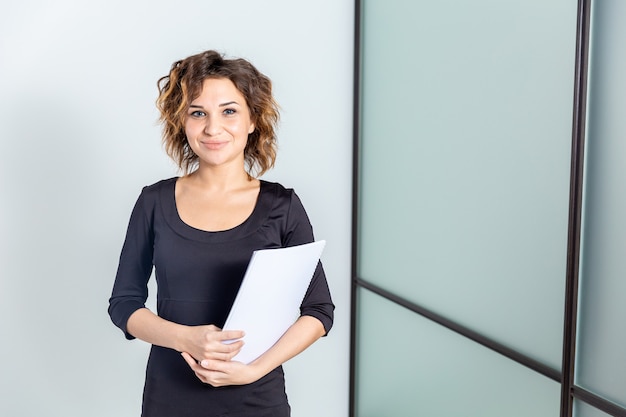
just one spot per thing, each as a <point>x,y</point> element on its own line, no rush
<point>229,112</point>
<point>197,113</point>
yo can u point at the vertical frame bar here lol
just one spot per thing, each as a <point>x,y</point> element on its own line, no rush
<point>356,131</point>
<point>575,205</point>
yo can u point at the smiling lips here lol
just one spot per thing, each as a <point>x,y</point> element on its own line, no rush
<point>214,145</point>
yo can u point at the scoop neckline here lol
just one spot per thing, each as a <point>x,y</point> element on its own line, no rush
<point>249,225</point>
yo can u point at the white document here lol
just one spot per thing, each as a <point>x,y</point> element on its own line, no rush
<point>268,301</point>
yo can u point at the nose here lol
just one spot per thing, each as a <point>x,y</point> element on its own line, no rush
<point>212,126</point>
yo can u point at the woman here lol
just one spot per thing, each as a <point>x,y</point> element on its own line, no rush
<point>198,232</point>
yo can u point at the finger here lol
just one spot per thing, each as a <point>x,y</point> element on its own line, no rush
<point>233,348</point>
<point>223,351</point>
<point>190,360</point>
<point>214,365</point>
<point>231,335</point>
<point>229,355</point>
<point>211,375</point>
<point>201,373</point>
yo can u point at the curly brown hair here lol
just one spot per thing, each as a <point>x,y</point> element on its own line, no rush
<point>183,84</point>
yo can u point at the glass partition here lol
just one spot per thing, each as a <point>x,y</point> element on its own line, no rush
<point>463,197</point>
<point>585,410</point>
<point>409,366</point>
<point>465,156</point>
<point>602,340</point>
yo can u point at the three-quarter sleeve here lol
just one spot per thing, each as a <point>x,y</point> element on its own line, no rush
<point>317,301</point>
<point>130,290</point>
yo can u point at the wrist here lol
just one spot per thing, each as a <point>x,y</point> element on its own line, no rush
<point>261,367</point>
<point>255,372</point>
<point>181,337</point>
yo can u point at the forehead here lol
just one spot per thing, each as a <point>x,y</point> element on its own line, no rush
<point>218,88</point>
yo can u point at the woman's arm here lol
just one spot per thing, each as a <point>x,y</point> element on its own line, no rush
<point>201,342</point>
<point>297,338</point>
<point>130,291</point>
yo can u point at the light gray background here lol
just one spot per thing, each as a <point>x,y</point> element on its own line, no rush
<point>79,140</point>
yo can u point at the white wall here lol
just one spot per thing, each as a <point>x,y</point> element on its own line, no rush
<point>79,140</point>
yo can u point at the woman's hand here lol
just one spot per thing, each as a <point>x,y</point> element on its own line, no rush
<point>204,344</point>
<point>219,373</point>
<point>201,342</point>
<point>208,343</point>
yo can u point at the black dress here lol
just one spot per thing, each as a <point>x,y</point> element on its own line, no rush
<point>198,275</point>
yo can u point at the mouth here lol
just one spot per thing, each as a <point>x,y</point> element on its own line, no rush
<point>214,145</point>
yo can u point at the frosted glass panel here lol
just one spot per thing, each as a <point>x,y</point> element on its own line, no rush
<point>602,338</point>
<point>466,132</point>
<point>582,409</point>
<point>409,366</point>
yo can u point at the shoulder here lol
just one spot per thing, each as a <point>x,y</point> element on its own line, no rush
<point>153,192</point>
<point>277,189</point>
<point>280,195</point>
<point>159,186</point>
<point>152,195</point>
<point>285,200</point>
<point>286,208</point>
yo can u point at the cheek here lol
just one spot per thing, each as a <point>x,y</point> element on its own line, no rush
<point>238,129</point>
<point>192,129</point>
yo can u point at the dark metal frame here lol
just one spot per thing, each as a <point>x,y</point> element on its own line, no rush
<point>569,390</point>
<point>575,205</point>
<point>356,134</point>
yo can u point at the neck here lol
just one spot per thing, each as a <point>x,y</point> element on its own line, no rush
<point>220,178</point>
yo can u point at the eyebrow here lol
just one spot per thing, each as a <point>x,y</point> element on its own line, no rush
<point>197,106</point>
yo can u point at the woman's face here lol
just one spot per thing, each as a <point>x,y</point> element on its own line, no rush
<point>218,124</point>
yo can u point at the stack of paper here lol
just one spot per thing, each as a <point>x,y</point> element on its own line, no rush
<point>268,301</point>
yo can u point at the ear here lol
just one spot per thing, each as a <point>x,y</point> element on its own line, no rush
<point>251,129</point>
